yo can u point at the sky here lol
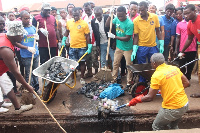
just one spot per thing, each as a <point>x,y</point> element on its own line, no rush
<point>8,4</point>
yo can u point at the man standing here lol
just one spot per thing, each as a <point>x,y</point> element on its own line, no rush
<point>7,63</point>
<point>79,37</point>
<point>124,41</point>
<point>171,81</point>
<point>193,29</point>
<point>43,33</point>
<point>101,35</point>
<point>133,10</point>
<point>91,59</point>
<point>169,10</point>
<point>145,35</point>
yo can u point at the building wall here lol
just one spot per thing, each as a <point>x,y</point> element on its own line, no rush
<point>177,2</point>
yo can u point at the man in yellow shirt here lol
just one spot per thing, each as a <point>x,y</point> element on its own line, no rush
<point>171,82</point>
<point>145,36</point>
<point>80,36</point>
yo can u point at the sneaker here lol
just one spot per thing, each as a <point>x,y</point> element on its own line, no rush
<point>127,87</point>
<point>6,104</point>
<point>82,81</point>
<point>69,81</point>
<point>3,110</point>
<point>24,108</point>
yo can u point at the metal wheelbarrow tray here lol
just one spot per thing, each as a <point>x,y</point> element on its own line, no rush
<point>40,71</point>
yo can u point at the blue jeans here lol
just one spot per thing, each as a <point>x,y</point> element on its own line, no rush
<point>103,48</point>
<point>34,79</point>
<point>77,53</point>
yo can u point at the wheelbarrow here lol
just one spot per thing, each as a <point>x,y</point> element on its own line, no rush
<point>146,71</point>
<point>49,91</point>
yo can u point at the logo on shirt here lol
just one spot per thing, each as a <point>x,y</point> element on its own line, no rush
<point>152,22</point>
<point>79,26</point>
<point>198,30</point>
<point>118,29</point>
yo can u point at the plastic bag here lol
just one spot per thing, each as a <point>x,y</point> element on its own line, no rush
<point>113,91</point>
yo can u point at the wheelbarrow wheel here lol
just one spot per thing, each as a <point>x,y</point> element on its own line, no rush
<point>47,91</point>
<point>138,89</point>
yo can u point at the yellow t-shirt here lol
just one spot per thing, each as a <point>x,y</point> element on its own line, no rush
<point>77,30</point>
<point>167,78</point>
<point>146,30</point>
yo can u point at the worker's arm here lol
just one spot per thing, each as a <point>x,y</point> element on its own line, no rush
<point>107,24</point>
<point>57,34</point>
<point>177,44</point>
<point>19,45</point>
<point>162,28</point>
<point>185,81</point>
<point>60,29</point>
<point>158,33</point>
<point>171,43</point>
<point>88,40</point>
<point>136,39</point>
<point>188,42</point>
<point>150,96</point>
<point>8,57</point>
<point>126,38</point>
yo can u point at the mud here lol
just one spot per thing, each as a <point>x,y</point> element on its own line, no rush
<point>117,123</point>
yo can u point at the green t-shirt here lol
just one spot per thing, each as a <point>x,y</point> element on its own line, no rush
<point>122,29</point>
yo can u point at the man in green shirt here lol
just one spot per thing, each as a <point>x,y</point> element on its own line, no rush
<point>124,41</point>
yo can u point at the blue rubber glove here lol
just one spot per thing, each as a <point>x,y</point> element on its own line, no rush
<point>135,48</point>
<point>161,46</point>
<point>89,50</point>
<point>63,41</point>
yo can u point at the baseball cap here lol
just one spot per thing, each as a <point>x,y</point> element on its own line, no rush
<point>46,6</point>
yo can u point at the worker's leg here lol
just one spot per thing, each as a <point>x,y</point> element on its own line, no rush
<point>117,58</point>
<point>6,87</point>
<point>95,55</point>
<point>128,62</point>
<point>142,53</point>
<point>165,117</point>
<point>151,51</point>
<point>166,52</point>
<point>189,57</point>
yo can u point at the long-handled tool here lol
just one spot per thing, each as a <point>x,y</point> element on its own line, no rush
<point>45,24</point>
<point>122,106</point>
<point>105,73</point>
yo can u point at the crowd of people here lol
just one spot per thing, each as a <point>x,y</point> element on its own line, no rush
<point>138,36</point>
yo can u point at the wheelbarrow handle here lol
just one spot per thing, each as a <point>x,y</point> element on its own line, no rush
<point>82,57</point>
<point>61,51</point>
<point>189,63</point>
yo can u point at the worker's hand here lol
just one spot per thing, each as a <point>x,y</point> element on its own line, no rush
<point>36,36</point>
<point>181,55</point>
<point>64,41</point>
<point>89,50</point>
<point>161,46</point>
<point>111,35</point>
<point>133,55</point>
<point>44,31</point>
<point>135,100</point>
<point>32,50</point>
<point>59,45</point>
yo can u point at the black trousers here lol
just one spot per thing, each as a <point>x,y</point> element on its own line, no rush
<point>44,53</point>
<point>189,56</point>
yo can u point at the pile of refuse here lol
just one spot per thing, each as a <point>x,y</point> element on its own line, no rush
<point>93,89</point>
<point>57,71</point>
<point>107,106</point>
<point>101,90</point>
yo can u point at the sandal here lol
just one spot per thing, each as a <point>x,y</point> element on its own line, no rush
<point>87,75</point>
<point>195,95</point>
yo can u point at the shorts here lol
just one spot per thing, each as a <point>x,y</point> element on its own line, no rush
<point>77,53</point>
<point>5,84</point>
